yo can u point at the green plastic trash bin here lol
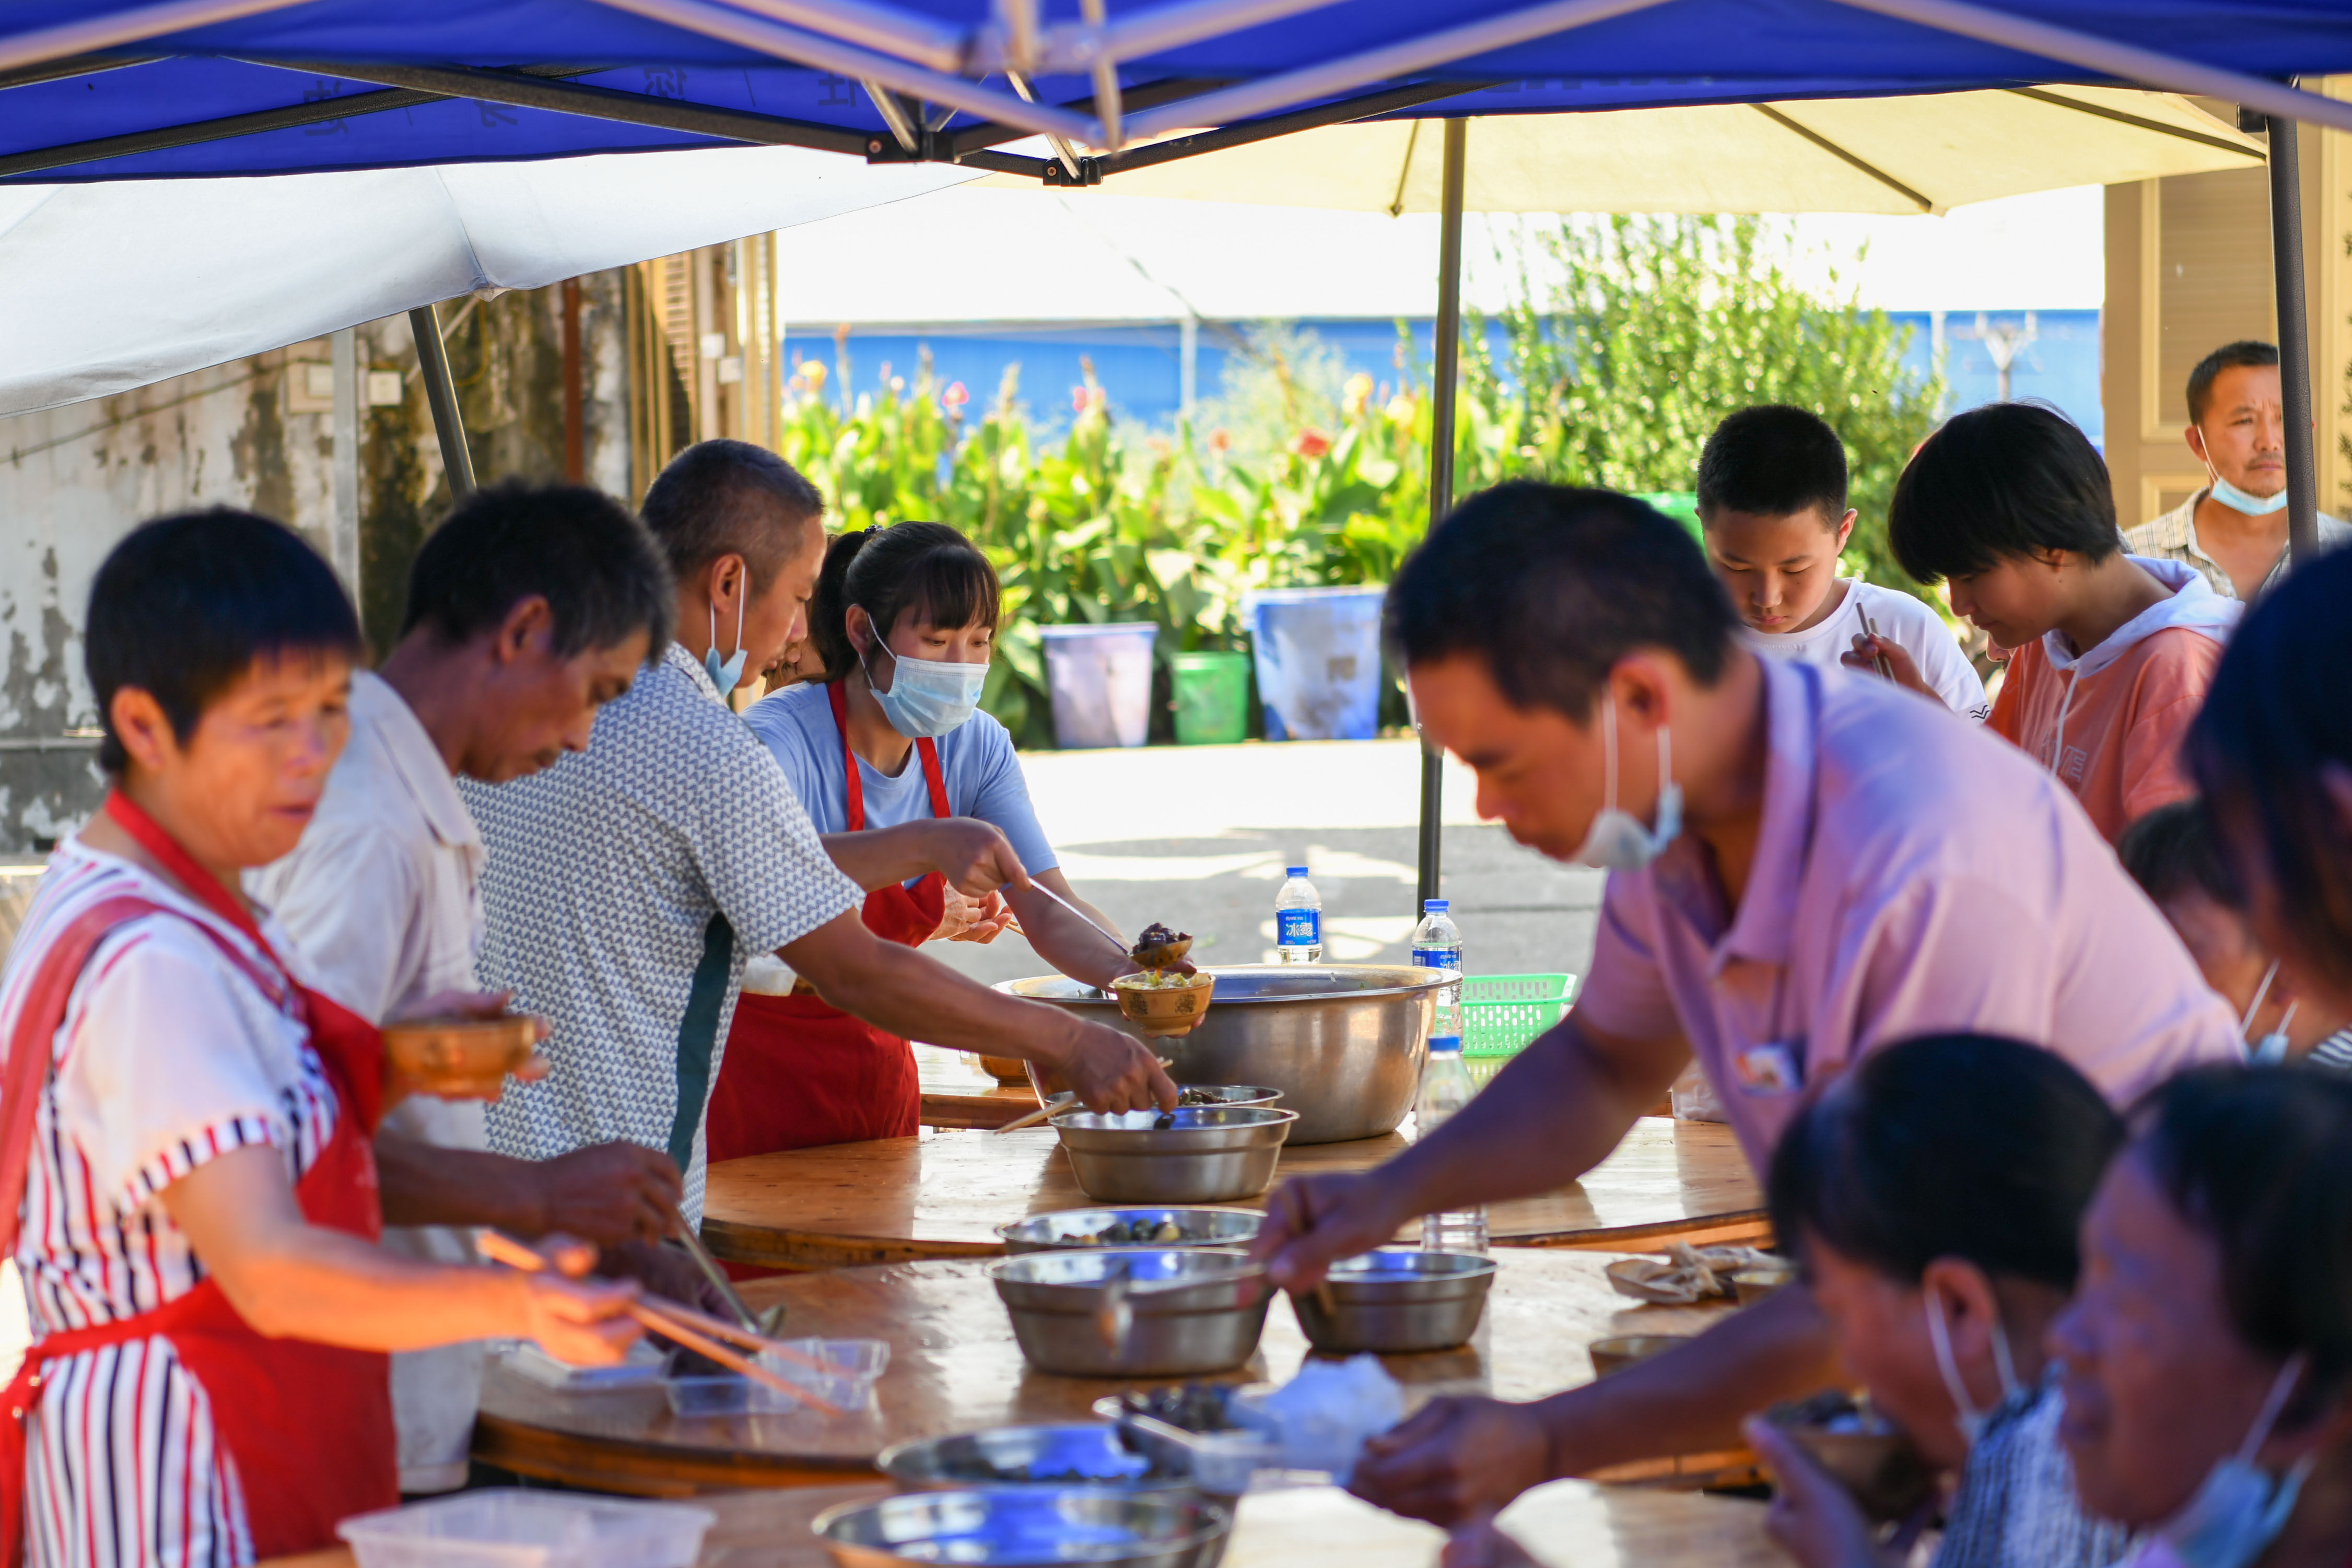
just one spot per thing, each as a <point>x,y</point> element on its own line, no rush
<point>1211,692</point>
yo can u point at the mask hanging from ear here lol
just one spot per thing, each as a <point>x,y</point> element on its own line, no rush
<point>2271,1050</point>
<point>2241,1508</point>
<point>1965,1413</point>
<point>728,674</point>
<point>1617,840</point>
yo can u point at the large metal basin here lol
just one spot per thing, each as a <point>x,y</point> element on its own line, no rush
<point>1343,1042</point>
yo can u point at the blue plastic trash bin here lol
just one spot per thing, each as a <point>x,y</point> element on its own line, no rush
<point>1318,661</point>
<point>1101,683</point>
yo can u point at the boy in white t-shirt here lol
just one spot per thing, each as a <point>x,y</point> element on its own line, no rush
<point>1771,496</point>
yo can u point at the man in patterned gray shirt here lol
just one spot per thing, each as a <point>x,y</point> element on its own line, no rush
<point>626,885</point>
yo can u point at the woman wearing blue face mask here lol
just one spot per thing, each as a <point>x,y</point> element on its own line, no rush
<point>903,623</point>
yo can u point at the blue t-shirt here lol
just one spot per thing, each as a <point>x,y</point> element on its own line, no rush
<point>976,758</point>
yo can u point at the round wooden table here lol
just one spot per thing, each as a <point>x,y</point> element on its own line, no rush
<point>943,1195</point>
<point>955,1367</point>
<point>1567,1522</point>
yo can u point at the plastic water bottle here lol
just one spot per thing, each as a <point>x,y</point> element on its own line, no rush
<point>1437,944</point>
<point>1445,1087</point>
<point>1298,920</point>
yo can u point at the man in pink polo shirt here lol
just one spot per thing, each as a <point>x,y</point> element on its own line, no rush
<point>1806,867</point>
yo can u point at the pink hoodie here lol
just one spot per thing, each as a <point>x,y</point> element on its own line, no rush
<point>2109,722</point>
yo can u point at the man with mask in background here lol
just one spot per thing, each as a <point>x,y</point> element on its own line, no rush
<point>2233,531</point>
<point>1805,868</point>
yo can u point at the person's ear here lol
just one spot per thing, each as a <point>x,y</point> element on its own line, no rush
<point>1644,692</point>
<point>2195,437</point>
<point>529,623</point>
<point>2323,1434</point>
<point>1971,1309</point>
<point>860,627</point>
<point>140,724</point>
<point>726,578</point>
<point>1845,529</point>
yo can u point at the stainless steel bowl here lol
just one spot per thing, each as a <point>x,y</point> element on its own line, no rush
<point>1233,1093</point>
<point>1063,1454</point>
<point>1398,1299</point>
<point>1207,1154</point>
<point>1344,1043</point>
<point>1028,1527</point>
<point>1201,1226</point>
<point>1180,1330</point>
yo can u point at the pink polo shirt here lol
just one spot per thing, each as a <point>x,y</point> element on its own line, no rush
<point>1914,875</point>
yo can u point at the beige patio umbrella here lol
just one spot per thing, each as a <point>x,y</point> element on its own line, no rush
<point>1920,154</point>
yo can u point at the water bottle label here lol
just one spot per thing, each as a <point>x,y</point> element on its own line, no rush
<point>1298,928</point>
<point>1437,957</point>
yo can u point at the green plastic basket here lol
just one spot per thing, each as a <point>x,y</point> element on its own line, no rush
<point>1501,1012</point>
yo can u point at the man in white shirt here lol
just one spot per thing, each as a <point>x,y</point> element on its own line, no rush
<point>528,610</point>
<point>2233,531</point>
<point>628,887</point>
<point>1771,499</point>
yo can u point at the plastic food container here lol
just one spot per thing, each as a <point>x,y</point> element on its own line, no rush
<point>856,1366</point>
<point>641,1368</point>
<point>516,1529</point>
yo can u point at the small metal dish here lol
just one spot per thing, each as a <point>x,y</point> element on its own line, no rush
<point>1069,1228</point>
<point>1615,1356</point>
<point>1192,1311</point>
<point>1062,1454</point>
<point>1396,1300</point>
<point>1874,1459</point>
<point>1028,1527</point>
<point>1194,1154</point>
<point>1206,1094</point>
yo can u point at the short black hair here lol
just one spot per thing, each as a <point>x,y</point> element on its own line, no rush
<point>1997,482</point>
<point>1773,460</point>
<point>1551,585</point>
<point>577,548</point>
<point>723,497</point>
<point>2260,1160</point>
<point>2172,851</point>
<point>2228,356</point>
<point>2274,721</point>
<point>185,604</point>
<point>1964,1146</point>
<point>907,568</point>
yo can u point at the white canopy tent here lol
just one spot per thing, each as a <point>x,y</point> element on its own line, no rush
<point>139,280</point>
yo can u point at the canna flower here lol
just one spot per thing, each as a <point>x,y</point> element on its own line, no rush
<point>956,395</point>
<point>1311,442</point>
<point>813,373</point>
<point>1358,394</point>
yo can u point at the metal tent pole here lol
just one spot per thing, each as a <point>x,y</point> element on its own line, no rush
<point>1447,373</point>
<point>441,392</point>
<point>2294,342</point>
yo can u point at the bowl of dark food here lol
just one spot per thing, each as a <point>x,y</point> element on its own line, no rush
<point>1063,1454</point>
<point>1134,1311</point>
<point>1396,1300</point>
<point>1226,1094</point>
<point>458,1054</point>
<point>1193,1155</point>
<point>1028,1527</point>
<point>1144,1226</point>
<point>1192,1430</point>
<point>1871,1457</point>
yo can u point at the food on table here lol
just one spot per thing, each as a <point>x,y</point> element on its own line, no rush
<point>1199,1096</point>
<point>1161,949</point>
<point>1194,1406</point>
<point>1154,980</point>
<point>1126,1233</point>
<point>1686,1274</point>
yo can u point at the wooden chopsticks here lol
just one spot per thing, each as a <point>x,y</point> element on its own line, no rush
<point>698,1331</point>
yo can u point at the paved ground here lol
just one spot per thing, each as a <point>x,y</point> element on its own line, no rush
<point>1197,835</point>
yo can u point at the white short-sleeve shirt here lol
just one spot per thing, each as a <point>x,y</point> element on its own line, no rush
<point>1901,620</point>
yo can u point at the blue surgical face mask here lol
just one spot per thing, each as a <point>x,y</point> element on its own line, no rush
<point>2241,1508</point>
<point>927,697</point>
<point>726,674</point>
<point>2236,500</point>
<point>1617,840</point>
<point>2271,1050</point>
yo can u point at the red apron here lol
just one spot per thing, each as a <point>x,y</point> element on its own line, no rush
<point>307,1427</point>
<point>798,1073</point>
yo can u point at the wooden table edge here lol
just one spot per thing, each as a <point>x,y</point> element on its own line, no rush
<point>627,1467</point>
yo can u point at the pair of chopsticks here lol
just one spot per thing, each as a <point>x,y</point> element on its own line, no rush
<point>698,1331</point>
<point>1058,1103</point>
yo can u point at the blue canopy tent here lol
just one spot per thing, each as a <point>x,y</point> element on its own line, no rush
<point>118,90</point>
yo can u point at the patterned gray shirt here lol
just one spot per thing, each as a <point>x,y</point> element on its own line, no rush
<point>624,888</point>
<point>2015,1507</point>
<point>2173,537</point>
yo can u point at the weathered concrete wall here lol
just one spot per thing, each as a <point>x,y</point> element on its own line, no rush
<point>74,480</point>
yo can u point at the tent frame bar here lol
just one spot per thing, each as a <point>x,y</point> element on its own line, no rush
<point>1445,374</point>
<point>112,30</point>
<point>441,396</point>
<point>2294,342</point>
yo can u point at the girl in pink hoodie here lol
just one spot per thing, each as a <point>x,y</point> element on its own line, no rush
<point>2011,504</point>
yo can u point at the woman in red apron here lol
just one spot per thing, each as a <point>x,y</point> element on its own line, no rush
<point>904,622</point>
<point>185,1129</point>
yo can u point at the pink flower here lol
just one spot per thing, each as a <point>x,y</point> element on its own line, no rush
<point>1311,442</point>
<point>955,396</point>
